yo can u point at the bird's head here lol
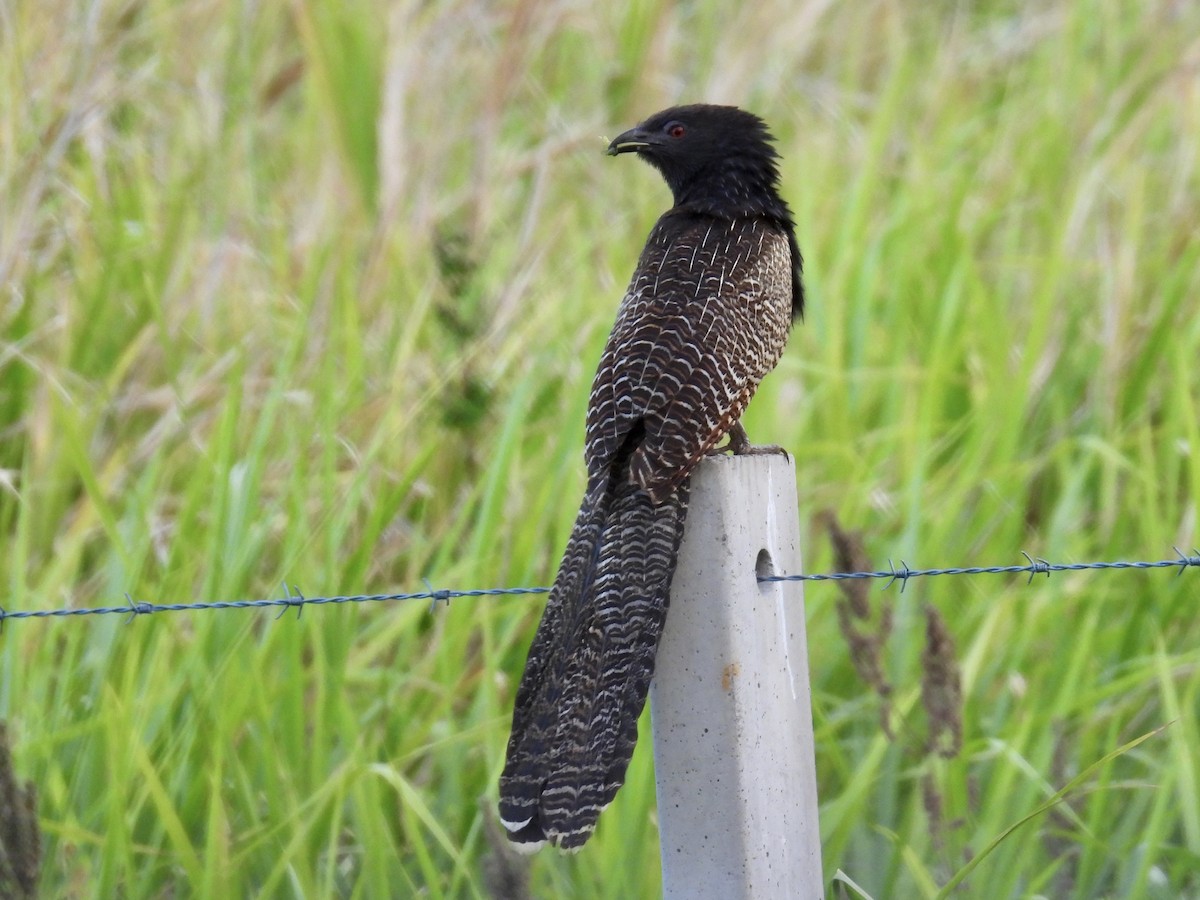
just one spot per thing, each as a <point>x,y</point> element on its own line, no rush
<point>708,153</point>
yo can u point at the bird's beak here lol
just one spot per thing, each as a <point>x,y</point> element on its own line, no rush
<point>631,141</point>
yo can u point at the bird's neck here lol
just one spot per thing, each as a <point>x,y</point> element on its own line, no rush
<point>731,192</point>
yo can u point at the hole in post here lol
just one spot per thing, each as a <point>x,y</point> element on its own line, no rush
<point>764,566</point>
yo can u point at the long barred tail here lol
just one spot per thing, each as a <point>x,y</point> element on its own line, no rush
<point>589,668</point>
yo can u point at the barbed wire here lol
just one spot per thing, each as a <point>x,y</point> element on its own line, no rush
<point>293,599</point>
<point>1035,566</point>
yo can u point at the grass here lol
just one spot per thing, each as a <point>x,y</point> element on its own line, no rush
<point>313,292</point>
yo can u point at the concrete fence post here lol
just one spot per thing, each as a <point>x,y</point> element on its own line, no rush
<point>730,704</point>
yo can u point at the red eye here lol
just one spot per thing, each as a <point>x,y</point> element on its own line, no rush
<point>676,130</point>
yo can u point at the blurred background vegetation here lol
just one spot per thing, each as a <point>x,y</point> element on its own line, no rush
<point>313,292</point>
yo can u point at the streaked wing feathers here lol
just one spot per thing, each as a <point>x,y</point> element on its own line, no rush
<point>705,318</point>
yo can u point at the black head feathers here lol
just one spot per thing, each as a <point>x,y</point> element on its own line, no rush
<point>719,157</point>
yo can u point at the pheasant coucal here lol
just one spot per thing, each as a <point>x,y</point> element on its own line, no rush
<point>705,317</point>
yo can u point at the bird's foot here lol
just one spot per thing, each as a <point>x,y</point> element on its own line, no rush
<point>739,445</point>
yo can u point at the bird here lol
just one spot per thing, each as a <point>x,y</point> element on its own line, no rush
<point>706,316</point>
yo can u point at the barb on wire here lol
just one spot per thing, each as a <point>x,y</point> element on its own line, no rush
<point>297,600</point>
<point>1184,561</point>
<point>437,597</point>
<point>902,576</point>
<point>135,609</point>
<point>293,598</point>
<point>1038,565</point>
